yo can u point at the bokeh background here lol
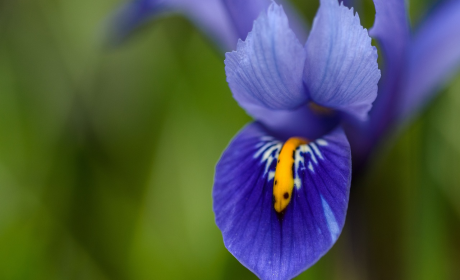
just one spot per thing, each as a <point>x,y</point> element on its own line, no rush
<point>107,158</point>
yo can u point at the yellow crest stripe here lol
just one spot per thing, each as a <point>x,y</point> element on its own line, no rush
<point>283,183</point>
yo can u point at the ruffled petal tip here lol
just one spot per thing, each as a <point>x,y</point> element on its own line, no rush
<point>341,69</point>
<point>266,69</point>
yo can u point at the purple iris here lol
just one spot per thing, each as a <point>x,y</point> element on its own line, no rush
<point>280,83</point>
<point>307,92</point>
<point>415,63</point>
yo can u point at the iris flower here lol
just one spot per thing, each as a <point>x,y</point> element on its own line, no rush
<point>415,62</point>
<point>281,186</point>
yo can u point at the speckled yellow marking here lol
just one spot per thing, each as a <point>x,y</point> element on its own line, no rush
<point>284,174</point>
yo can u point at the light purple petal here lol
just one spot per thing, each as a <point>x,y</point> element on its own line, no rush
<point>341,70</point>
<point>244,13</point>
<point>266,69</point>
<point>210,15</point>
<point>272,245</point>
<point>434,55</point>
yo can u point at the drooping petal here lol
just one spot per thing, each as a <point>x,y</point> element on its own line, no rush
<point>210,15</point>
<point>270,244</point>
<point>434,55</point>
<point>341,68</point>
<point>266,69</point>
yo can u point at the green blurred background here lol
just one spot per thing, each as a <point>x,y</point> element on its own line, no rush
<point>107,158</point>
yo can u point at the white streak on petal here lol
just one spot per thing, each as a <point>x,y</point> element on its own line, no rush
<point>310,166</point>
<point>306,149</point>
<point>271,175</point>
<point>267,150</point>
<point>262,149</point>
<point>321,142</point>
<point>316,150</point>
<point>297,183</point>
<point>268,157</point>
<point>331,221</point>
<point>298,159</point>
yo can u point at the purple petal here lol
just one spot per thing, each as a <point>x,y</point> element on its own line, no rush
<point>273,245</point>
<point>303,121</point>
<point>210,15</point>
<point>266,69</point>
<point>433,57</point>
<point>244,13</point>
<point>341,70</point>
<point>351,3</point>
<point>392,31</point>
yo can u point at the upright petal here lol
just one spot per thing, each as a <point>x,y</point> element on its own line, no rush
<point>392,31</point>
<point>433,57</point>
<point>210,15</point>
<point>341,68</point>
<point>244,13</point>
<point>266,69</point>
<point>281,245</point>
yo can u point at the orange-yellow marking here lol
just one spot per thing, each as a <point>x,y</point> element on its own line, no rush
<point>283,184</point>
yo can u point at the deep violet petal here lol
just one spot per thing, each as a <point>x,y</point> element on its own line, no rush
<point>272,245</point>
